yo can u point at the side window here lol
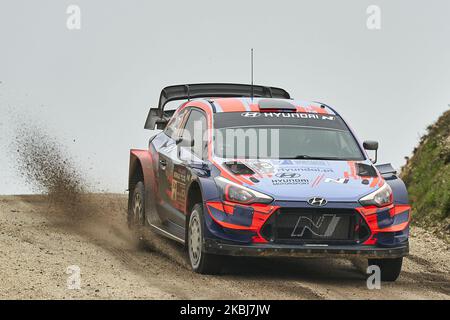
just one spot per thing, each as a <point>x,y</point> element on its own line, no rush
<point>175,123</point>
<point>194,134</point>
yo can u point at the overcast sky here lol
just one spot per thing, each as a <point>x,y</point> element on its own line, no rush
<point>95,85</point>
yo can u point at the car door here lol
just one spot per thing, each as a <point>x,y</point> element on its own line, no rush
<point>167,151</point>
<point>190,148</point>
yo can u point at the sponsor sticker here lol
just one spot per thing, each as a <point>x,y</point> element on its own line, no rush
<point>299,115</point>
<point>288,181</point>
<point>179,184</point>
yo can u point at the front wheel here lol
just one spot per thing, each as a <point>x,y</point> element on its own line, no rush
<point>390,268</point>
<point>201,262</point>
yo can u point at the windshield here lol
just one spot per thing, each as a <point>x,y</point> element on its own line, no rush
<point>283,136</point>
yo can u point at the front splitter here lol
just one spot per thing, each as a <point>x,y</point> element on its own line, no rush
<point>305,251</point>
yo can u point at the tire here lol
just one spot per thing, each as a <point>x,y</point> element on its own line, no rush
<point>136,211</point>
<point>201,262</point>
<point>390,268</point>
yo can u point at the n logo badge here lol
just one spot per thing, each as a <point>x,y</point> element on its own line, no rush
<point>324,226</point>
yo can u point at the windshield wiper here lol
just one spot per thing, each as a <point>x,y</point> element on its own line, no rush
<point>305,156</point>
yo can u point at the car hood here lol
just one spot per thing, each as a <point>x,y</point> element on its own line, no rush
<point>300,180</point>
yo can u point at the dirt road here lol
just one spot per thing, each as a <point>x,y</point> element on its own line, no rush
<point>39,240</point>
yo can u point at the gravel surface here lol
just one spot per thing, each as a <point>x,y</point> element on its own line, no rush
<point>39,239</point>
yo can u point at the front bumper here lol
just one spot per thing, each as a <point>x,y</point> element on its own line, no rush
<point>305,251</point>
<point>257,231</point>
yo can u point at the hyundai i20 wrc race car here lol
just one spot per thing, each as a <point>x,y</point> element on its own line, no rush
<point>245,170</point>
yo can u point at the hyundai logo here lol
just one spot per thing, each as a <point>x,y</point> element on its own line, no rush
<point>317,201</point>
<point>251,114</point>
<point>290,175</point>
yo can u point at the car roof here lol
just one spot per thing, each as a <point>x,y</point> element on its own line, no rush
<point>268,105</point>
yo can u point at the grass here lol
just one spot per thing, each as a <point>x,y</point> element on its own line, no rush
<point>427,177</point>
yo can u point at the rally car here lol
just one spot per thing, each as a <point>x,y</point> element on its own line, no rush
<point>246,170</point>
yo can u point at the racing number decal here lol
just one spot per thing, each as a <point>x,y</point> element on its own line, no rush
<point>179,185</point>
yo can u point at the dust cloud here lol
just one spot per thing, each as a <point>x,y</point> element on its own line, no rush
<point>47,167</point>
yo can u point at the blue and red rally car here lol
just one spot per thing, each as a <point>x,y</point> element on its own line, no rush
<point>247,171</point>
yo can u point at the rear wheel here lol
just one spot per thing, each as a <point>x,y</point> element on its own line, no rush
<point>390,268</point>
<point>136,211</point>
<point>201,262</point>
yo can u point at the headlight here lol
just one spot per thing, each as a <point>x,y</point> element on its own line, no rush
<point>380,198</point>
<point>236,193</point>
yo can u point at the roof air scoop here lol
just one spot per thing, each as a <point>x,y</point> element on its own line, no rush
<point>274,105</point>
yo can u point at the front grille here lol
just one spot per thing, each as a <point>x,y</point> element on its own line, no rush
<point>316,226</point>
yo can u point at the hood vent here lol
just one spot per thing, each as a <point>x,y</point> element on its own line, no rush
<point>238,168</point>
<point>365,170</point>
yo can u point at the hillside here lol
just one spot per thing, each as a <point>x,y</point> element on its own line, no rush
<point>427,176</point>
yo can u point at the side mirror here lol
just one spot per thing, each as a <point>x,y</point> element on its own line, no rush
<point>160,124</point>
<point>371,145</point>
<point>183,142</point>
<point>184,150</point>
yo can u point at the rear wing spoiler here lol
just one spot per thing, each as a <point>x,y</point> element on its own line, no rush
<point>207,90</point>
